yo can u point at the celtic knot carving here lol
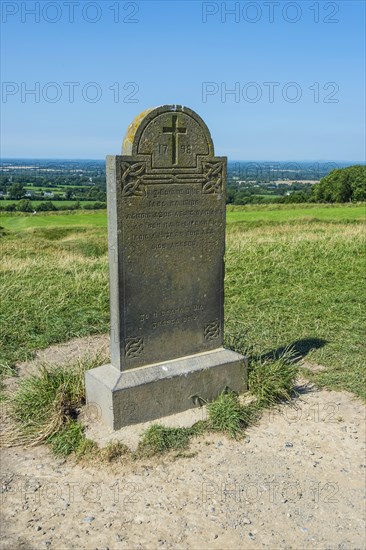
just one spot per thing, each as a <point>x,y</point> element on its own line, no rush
<point>134,347</point>
<point>132,177</point>
<point>212,172</point>
<point>212,331</point>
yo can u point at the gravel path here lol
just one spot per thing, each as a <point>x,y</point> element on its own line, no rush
<point>296,481</point>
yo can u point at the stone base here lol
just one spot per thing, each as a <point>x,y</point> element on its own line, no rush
<point>154,391</point>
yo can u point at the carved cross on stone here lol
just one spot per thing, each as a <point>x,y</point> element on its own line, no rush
<point>166,231</point>
<point>174,130</point>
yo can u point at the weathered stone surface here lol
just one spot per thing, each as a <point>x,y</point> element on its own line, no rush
<point>166,231</point>
<point>167,237</point>
<point>163,389</point>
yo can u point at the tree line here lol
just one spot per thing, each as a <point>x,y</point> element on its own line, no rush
<point>340,185</point>
<point>26,205</point>
<point>17,191</point>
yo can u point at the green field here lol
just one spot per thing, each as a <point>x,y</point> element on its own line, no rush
<point>269,198</point>
<point>294,277</point>
<point>58,188</point>
<point>76,218</point>
<point>299,213</point>
<point>251,215</point>
<point>47,189</point>
<point>55,202</point>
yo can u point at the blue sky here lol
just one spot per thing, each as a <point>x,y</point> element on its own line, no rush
<point>295,69</point>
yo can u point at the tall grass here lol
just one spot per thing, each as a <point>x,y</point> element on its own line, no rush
<point>297,281</point>
<point>45,405</point>
<point>44,408</point>
<point>54,286</point>
<point>300,283</point>
<point>227,415</point>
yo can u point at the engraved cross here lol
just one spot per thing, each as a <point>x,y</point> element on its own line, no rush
<point>174,131</point>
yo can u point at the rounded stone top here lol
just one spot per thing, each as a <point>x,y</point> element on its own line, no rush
<point>174,133</point>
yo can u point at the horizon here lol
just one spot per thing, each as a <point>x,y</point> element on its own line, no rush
<point>229,160</point>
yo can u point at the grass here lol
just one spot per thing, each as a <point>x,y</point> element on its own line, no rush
<point>160,439</point>
<point>21,222</point>
<point>45,406</point>
<point>44,409</point>
<point>250,216</point>
<point>271,380</point>
<point>301,285</point>
<point>54,286</point>
<point>58,188</point>
<point>56,202</point>
<point>227,415</point>
<point>68,439</point>
<point>293,291</point>
<point>294,277</point>
<point>290,213</point>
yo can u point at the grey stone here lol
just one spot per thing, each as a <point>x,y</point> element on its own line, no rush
<point>150,392</point>
<point>166,212</point>
<point>166,233</point>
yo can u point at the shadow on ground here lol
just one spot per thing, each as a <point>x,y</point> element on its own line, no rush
<point>296,351</point>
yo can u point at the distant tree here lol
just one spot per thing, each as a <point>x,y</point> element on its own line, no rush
<point>342,185</point>
<point>297,197</point>
<point>46,206</point>
<point>242,197</point>
<point>230,195</point>
<point>16,191</point>
<point>95,206</point>
<point>24,205</point>
<point>4,182</point>
<point>69,194</point>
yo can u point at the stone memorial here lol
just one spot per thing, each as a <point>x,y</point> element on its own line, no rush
<point>166,231</point>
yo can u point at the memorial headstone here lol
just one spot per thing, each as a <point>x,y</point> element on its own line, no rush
<point>166,232</point>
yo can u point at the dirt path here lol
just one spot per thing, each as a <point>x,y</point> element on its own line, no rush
<point>296,481</point>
